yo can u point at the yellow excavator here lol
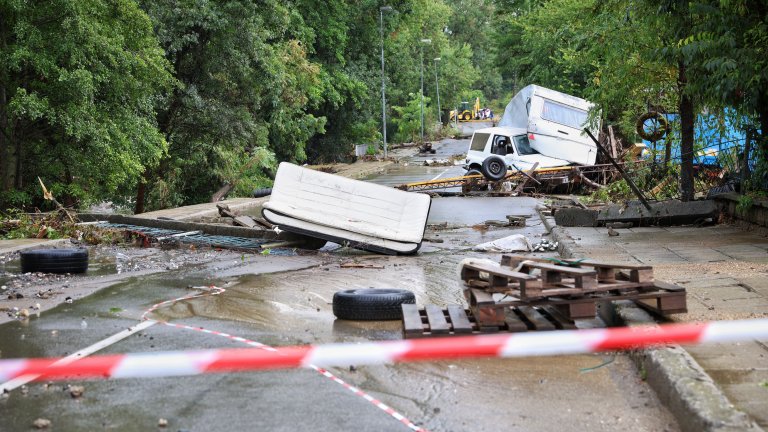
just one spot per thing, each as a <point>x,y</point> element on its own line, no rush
<point>465,113</point>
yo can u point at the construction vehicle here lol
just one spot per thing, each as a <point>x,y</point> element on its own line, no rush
<point>465,112</point>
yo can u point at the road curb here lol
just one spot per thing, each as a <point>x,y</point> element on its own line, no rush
<point>678,380</point>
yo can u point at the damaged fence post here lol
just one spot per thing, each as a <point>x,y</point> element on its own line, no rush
<point>621,171</point>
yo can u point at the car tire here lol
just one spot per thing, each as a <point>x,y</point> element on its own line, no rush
<point>661,128</point>
<point>472,172</point>
<point>258,193</point>
<point>67,260</point>
<point>494,168</point>
<point>371,304</point>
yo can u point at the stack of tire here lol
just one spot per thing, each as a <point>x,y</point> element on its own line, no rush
<point>65,260</point>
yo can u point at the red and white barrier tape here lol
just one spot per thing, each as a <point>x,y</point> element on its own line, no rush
<point>180,363</point>
<point>213,290</point>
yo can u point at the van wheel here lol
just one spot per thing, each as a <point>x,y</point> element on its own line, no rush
<point>65,260</point>
<point>494,168</point>
<point>472,172</point>
<point>371,304</point>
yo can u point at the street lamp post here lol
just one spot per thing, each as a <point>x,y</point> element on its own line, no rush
<point>421,46</point>
<point>437,88</point>
<point>383,86</point>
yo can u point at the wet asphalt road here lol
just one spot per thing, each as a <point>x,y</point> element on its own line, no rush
<point>588,392</point>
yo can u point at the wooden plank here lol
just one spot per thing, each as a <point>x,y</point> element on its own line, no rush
<point>641,275</point>
<point>526,177</point>
<point>459,319</point>
<point>488,316</point>
<point>512,260</point>
<point>612,139</point>
<point>480,297</point>
<point>470,268</point>
<point>514,322</point>
<point>574,271</point>
<point>673,302</point>
<point>412,324</point>
<point>565,289</point>
<point>437,323</point>
<point>538,320</point>
<point>579,310</point>
<point>563,322</point>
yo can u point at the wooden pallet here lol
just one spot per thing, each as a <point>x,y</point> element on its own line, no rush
<point>664,299</point>
<point>572,287</point>
<point>455,320</point>
<point>538,278</point>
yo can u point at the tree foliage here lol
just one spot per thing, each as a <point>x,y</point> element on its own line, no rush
<point>168,101</point>
<point>78,83</point>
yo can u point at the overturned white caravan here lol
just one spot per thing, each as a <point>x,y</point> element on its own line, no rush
<point>538,125</point>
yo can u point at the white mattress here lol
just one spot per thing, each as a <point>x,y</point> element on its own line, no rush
<point>343,205</point>
<point>336,235</point>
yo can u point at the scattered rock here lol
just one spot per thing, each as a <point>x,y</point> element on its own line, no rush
<point>41,423</point>
<point>76,391</point>
<point>162,423</point>
<point>545,246</point>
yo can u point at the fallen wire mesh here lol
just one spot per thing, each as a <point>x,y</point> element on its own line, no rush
<point>196,238</point>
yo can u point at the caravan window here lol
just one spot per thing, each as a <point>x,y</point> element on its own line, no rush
<point>564,115</point>
<point>478,141</point>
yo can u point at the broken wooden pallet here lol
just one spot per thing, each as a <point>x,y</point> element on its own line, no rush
<point>537,278</point>
<point>663,299</point>
<point>455,320</point>
<point>606,272</point>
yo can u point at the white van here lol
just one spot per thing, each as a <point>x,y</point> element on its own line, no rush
<point>511,144</point>
<point>554,123</point>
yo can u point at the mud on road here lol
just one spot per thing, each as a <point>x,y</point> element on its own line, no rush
<point>285,299</point>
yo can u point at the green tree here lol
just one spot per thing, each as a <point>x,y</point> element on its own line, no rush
<point>472,24</point>
<point>241,104</point>
<point>78,81</point>
<point>727,49</point>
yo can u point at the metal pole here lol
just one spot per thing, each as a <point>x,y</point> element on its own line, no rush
<point>621,171</point>
<point>383,86</point>
<point>421,46</point>
<point>437,87</point>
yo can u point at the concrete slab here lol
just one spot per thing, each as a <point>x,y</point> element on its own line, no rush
<point>717,282</point>
<point>731,356</point>
<point>8,246</point>
<point>733,397</point>
<point>758,284</point>
<point>203,210</point>
<point>751,397</point>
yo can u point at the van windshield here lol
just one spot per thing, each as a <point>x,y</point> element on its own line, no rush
<point>564,115</point>
<point>479,140</point>
<point>523,146</point>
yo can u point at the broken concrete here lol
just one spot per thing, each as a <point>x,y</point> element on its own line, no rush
<point>756,213</point>
<point>671,212</point>
<point>575,217</point>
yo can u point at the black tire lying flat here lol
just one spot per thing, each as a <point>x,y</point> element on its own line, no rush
<point>258,193</point>
<point>69,260</point>
<point>494,168</point>
<point>371,304</point>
